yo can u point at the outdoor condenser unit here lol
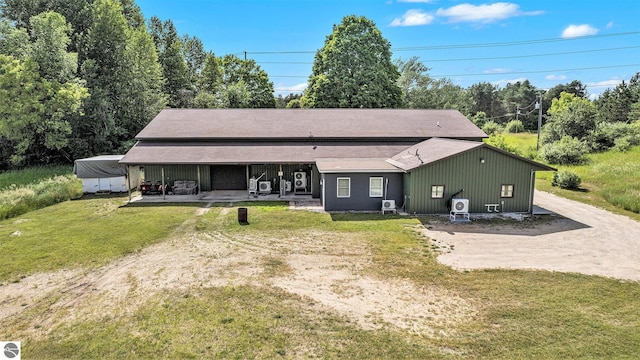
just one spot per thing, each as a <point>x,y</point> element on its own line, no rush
<point>460,205</point>
<point>300,180</point>
<point>265,186</point>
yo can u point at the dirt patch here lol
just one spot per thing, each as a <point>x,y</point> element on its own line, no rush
<point>321,266</point>
<point>579,238</point>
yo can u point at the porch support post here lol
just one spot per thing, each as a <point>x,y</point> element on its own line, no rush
<point>129,182</point>
<point>199,182</point>
<point>163,192</point>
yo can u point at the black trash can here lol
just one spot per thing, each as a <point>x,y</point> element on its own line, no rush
<point>242,215</point>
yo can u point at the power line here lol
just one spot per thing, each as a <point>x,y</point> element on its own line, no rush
<point>499,73</point>
<point>466,46</point>
<point>537,71</point>
<point>477,58</point>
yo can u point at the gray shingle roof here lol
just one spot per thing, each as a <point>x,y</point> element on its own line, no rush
<point>274,124</point>
<point>253,153</point>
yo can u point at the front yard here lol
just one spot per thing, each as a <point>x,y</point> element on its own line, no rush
<point>92,279</point>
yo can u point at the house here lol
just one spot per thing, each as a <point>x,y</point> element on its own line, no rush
<point>351,159</point>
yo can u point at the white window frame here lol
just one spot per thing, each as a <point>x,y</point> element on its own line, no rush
<point>376,191</point>
<point>506,190</point>
<point>438,195</point>
<point>348,188</point>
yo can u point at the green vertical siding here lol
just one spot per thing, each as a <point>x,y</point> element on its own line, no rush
<point>179,172</point>
<point>481,182</point>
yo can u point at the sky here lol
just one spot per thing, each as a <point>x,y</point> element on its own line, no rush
<point>548,42</point>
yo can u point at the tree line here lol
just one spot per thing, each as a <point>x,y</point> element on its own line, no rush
<point>83,77</point>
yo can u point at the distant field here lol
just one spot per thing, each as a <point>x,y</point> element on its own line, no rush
<point>32,175</point>
<point>609,179</point>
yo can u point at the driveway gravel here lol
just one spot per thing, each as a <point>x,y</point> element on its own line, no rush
<point>578,238</point>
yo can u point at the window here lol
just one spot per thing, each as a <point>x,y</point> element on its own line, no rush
<point>375,187</point>
<point>507,191</point>
<point>437,191</point>
<point>344,187</point>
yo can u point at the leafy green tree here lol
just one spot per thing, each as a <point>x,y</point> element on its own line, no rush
<point>177,85</point>
<point>354,69</point>
<point>14,41</point>
<point>239,76</point>
<point>570,116</point>
<point>50,32</point>
<point>420,91</point>
<point>575,87</point>
<point>34,112</point>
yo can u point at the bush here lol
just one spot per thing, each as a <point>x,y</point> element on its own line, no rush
<point>514,126</point>
<point>566,180</point>
<point>568,150</point>
<point>15,201</point>
<point>607,135</point>
<point>492,128</point>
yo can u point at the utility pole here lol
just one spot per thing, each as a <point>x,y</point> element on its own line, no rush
<point>539,107</point>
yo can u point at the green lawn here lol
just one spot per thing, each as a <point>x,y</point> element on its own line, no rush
<point>521,314</point>
<point>609,179</point>
<point>80,233</point>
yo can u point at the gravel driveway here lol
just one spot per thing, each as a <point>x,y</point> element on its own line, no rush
<point>583,239</point>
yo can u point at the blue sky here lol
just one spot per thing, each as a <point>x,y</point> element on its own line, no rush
<point>547,42</point>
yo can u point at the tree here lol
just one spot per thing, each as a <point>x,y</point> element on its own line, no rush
<point>617,105</point>
<point>50,32</point>
<point>485,98</point>
<point>519,98</point>
<point>420,91</point>
<point>354,69</point>
<point>34,112</point>
<point>14,41</point>
<point>569,116</point>
<point>240,76</point>
<point>576,87</point>
<point>177,85</point>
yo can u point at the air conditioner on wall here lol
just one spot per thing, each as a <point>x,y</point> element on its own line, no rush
<point>388,205</point>
<point>460,205</point>
<point>265,186</point>
<point>300,180</point>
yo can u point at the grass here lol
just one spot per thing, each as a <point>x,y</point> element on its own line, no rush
<point>521,314</point>
<point>80,233</point>
<point>33,175</point>
<point>609,179</point>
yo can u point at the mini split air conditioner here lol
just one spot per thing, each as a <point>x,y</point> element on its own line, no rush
<point>300,180</point>
<point>388,205</point>
<point>460,205</point>
<point>265,186</point>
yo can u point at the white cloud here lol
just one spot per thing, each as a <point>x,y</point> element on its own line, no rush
<point>573,31</point>
<point>497,71</point>
<point>413,17</point>
<point>503,82</point>
<point>555,77</point>
<point>604,84</point>
<point>483,13</point>
<point>609,25</point>
<point>297,88</point>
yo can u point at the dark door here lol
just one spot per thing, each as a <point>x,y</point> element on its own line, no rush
<point>228,177</point>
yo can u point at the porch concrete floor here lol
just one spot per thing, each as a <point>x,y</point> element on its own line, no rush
<point>232,196</point>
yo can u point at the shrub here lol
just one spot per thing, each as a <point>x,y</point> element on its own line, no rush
<point>566,180</point>
<point>15,201</point>
<point>499,141</point>
<point>492,128</point>
<point>606,136</point>
<point>514,126</point>
<point>568,150</point>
